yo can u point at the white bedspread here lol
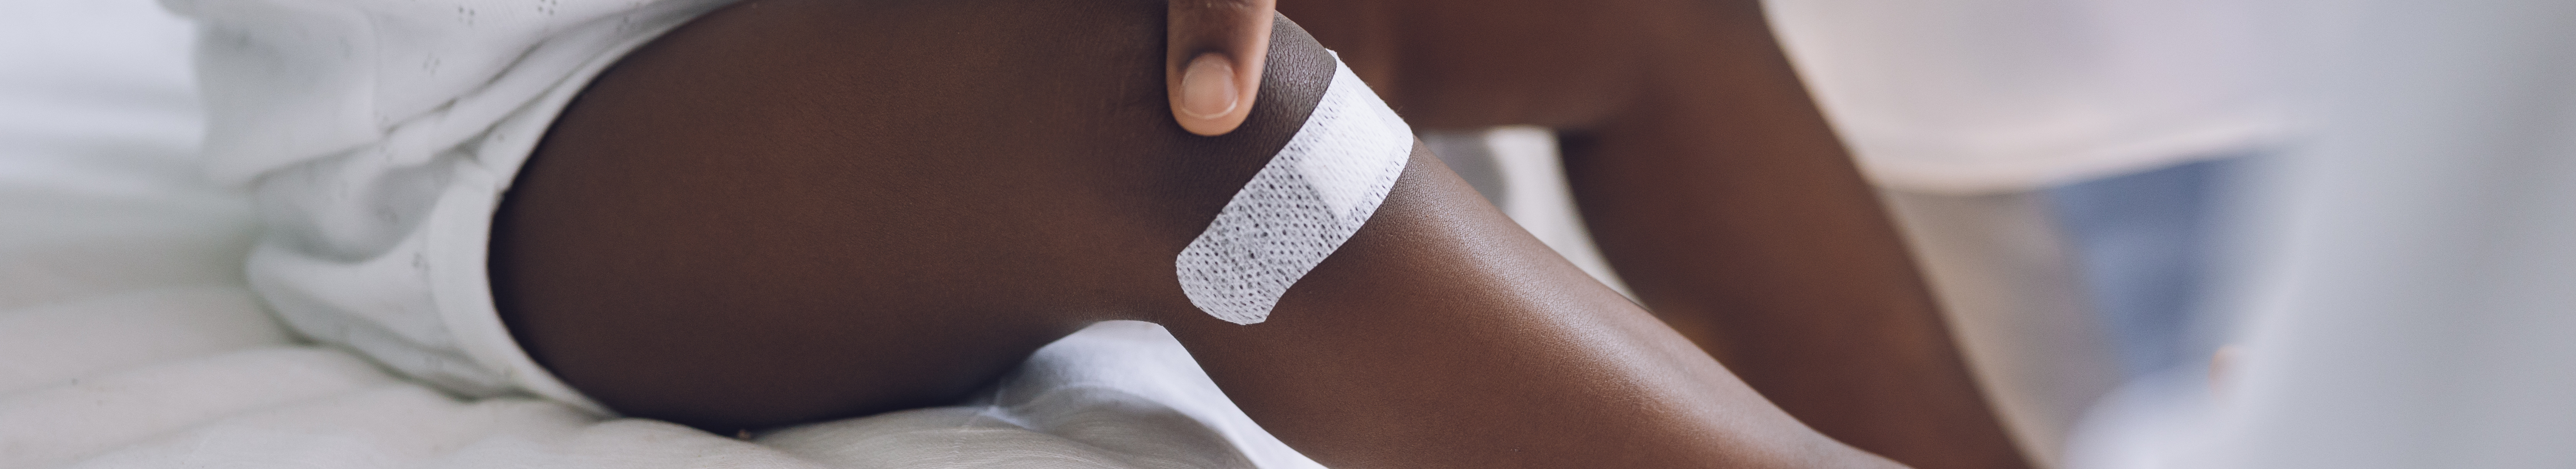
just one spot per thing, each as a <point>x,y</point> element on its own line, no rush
<point>128,340</point>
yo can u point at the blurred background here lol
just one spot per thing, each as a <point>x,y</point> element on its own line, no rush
<point>2370,204</point>
<point>2210,233</point>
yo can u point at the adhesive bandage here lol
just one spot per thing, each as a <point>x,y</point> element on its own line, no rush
<point>1309,199</point>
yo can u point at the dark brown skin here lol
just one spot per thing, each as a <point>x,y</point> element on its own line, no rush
<point>1215,51</point>
<point>1714,187</point>
<point>770,217</point>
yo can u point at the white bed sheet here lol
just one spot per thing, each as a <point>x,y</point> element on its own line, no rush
<point>127,338</point>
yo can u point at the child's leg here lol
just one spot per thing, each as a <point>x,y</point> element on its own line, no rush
<point>790,210</point>
<point>1714,186</point>
<point>796,209</point>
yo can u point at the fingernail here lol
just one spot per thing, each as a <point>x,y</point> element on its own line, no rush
<point>1207,87</point>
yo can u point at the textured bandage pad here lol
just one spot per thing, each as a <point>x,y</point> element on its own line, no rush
<point>1309,199</point>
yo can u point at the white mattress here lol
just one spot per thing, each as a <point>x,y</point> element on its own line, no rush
<point>127,338</point>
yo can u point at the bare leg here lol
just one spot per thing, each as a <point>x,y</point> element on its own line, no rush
<point>1714,187</point>
<point>793,210</point>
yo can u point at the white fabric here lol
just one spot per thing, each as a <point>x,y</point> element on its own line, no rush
<point>1300,207</point>
<point>378,136</point>
<point>2406,294</point>
<point>129,338</point>
<point>1980,96</point>
<point>199,376</point>
<point>2000,269</point>
<point>2413,301</point>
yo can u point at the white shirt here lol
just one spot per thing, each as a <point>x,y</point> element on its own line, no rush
<point>1970,96</point>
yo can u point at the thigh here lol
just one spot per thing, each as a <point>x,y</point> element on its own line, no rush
<point>791,210</point>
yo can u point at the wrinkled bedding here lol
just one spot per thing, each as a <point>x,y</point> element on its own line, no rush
<point>127,338</point>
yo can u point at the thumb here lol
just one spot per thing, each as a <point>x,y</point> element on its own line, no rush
<point>1215,51</point>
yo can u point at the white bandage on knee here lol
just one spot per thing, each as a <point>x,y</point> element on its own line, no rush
<point>1300,207</point>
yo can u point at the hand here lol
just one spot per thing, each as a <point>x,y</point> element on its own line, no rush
<point>1215,52</point>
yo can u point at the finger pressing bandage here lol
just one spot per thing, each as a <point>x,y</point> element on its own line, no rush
<point>1300,207</point>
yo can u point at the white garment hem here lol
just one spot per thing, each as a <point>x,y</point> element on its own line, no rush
<point>459,232</point>
<point>1969,173</point>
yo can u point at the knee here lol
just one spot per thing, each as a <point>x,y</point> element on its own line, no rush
<point>958,182</point>
<point>1002,133</point>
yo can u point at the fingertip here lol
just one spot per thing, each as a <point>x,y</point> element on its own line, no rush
<point>1207,88</point>
<point>1217,50</point>
<point>1210,98</point>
